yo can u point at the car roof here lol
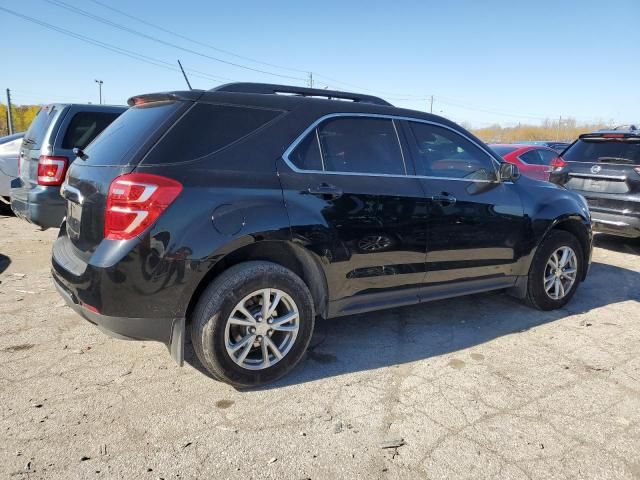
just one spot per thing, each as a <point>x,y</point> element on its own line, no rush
<point>286,97</point>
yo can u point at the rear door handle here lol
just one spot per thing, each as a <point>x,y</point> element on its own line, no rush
<point>444,199</point>
<point>326,191</point>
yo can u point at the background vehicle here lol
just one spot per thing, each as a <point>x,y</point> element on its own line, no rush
<point>557,146</point>
<point>9,148</point>
<point>45,155</point>
<point>533,161</point>
<point>251,209</point>
<point>605,168</point>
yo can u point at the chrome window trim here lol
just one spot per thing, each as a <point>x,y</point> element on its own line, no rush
<point>404,163</point>
<point>296,142</point>
<point>320,150</point>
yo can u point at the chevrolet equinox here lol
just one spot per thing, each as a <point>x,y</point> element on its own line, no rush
<point>246,212</point>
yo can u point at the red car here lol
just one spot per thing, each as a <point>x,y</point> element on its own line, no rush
<point>533,161</point>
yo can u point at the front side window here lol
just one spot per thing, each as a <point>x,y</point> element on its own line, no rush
<point>351,145</point>
<point>441,152</point>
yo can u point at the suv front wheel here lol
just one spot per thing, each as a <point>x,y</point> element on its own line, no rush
<point>253,324</point>
<point>555,271</point>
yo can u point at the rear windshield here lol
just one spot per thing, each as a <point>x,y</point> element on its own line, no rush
<point>35,135</point>
<point>503,150</point>
<point>85,126</point>
<point>207,128</point>
<point>604,151</point>
<point>128,131</point>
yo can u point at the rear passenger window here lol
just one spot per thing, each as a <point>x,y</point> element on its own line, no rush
<point>85,126</point>
<point>532,157</point>
<point>360,145</point>
<point>307,156</point>
<point>207,128</point>
<point>441,152</point>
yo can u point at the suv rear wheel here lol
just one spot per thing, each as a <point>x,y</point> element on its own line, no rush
<point>555,271</point>
<point>253,324</point>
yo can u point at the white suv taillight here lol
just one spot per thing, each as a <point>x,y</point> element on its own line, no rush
<point>51,170</point>
<point>135,201</point>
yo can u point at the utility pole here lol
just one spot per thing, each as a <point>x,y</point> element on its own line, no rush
<point>9,115</point>
<point>100,82</point>
<point>431,106</point>
<point>559,123</point>
<point>310,80</point>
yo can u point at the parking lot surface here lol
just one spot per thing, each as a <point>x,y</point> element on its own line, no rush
<point>475,387</point>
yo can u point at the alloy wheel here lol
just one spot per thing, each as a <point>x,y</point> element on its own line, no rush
<point>262,329</point>
<point>560,273</point>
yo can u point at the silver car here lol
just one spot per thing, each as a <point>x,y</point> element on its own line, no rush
<point>9,149</point>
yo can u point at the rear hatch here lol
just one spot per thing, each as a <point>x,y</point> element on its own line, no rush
<point>37,141</point>
<point>116,151</point>
<point>604,168</point>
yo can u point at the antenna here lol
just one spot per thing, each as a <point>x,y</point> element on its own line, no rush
<point>185,76</point>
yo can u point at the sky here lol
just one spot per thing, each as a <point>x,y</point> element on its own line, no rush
<point>484,62</point>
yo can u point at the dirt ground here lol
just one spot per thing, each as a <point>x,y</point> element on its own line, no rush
<point>477,387</point>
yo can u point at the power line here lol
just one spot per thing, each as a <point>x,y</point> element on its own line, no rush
<point>106,21</point>
<point>202,44</point>
<point>136,56</point>
<point>391,95</point>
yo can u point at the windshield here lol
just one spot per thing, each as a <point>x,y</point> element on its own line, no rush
<point>604,151</point>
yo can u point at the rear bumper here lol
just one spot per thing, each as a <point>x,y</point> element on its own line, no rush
<point>40,205</point>
<point>169,331</point>
<point>616,224</point>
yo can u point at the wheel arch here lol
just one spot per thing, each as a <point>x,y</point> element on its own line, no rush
<point>573,224</point>
<point>285,253</point>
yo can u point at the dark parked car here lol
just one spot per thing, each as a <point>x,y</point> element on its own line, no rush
<point>47,152</point>
<point>249,210</point>
<point>604,166</point>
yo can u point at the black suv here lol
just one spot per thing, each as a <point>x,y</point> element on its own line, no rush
<point>605,167</point>
<point>249,210</point>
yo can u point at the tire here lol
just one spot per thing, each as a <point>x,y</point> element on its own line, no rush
<point>213,332</point>
<point>537,295</point>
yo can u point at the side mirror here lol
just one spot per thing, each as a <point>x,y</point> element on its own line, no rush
<point>509,172</point>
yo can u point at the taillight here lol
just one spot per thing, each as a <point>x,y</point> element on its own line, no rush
<point>51,170</point>
<point>135,202</point>
<point>557,164</point>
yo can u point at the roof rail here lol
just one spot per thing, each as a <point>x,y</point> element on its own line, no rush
<point>271,89</point>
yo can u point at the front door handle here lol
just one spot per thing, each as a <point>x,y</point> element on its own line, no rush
<point>326,191</point>
<point>444,199</point>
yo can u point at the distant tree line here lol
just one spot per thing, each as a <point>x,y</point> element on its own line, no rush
<point>565,131</point>
<point>22,117</point>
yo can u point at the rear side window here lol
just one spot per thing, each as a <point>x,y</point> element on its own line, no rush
<point>35,135</point>
<point>207,128</point>
<point>360,145</point>
<point>532,157</point>
<point>85,126</point>
<point>128,131</point>
<point>604,151</point>
<point>307,154</point>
